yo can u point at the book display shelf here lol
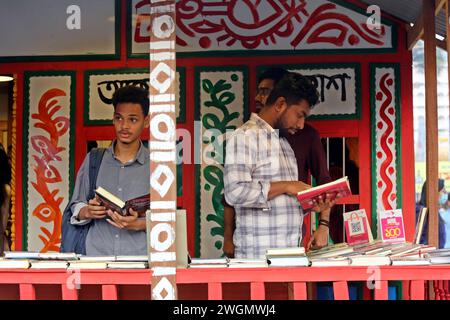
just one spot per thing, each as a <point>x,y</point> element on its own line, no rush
<point>220,284</point>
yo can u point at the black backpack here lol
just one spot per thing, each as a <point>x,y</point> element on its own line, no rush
<point>73,237</point>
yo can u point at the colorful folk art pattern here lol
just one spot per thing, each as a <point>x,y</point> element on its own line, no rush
<point>264,25</point>
<point>101,84</point>
<point>339,89</point>
<point>386,139</point>
<point>222,107</point>
<point>48,152</point>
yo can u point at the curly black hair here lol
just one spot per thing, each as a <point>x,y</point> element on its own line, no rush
<point>294,87</point>
<point>131,94</point>
<point>274,73</point>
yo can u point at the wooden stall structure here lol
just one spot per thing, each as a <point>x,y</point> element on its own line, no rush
<point>359,58</point>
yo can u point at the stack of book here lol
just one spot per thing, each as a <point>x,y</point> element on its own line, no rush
<point>370,260</point>
<point>208,263</point>
<point>129,262</point>
<point>247,263</point>
<point>287,257</point>
<point>439,256</point>
<point>14,263</point>
<point>21,255</point>
<point>37,260</point>
<point>410,261</point>
<point>330,262</point>
<point>331,251</point>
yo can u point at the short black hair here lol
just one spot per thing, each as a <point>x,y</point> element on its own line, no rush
<point>294,87</point>
<point>274,73</point>
<point>132,94</point>
<point>423,195</point>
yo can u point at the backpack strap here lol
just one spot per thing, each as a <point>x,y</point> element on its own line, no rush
<point>95,159</point>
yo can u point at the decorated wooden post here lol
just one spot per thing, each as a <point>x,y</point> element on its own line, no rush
<point>161,219</point>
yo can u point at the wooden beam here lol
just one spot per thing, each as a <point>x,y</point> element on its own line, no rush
<point>440,5</point>
<point>161,218</point>
<point>447,41</point>
<point>415,33</point>
<point>428,9</point>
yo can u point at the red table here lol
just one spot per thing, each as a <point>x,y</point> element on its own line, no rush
<point>216,283</point>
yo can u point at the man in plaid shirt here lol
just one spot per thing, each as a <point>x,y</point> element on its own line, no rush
<point>261,177</point>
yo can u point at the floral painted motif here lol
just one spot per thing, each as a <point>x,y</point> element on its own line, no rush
<point>221,109</point>
<point>386,141</point>
<point>266,25</point>
<point>47,152</point>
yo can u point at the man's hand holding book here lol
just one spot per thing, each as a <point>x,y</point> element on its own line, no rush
<point>128,222</point>
<point>94,210</point>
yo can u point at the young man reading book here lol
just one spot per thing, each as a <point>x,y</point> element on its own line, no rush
<point>123,172</point>
<point>261,174</point>
<point>309,154</point>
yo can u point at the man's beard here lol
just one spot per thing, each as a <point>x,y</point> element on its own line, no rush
<point>283,132</point>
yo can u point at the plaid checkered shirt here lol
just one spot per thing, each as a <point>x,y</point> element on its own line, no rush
<point>255,157</point>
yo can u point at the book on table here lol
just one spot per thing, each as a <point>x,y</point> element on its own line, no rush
<point>97,258</point>
<point>209,263</point>
<point>334,190</point>
<point>140,204</point>
<point>357,228</point>
<point>287,261</point>
<point>439,259</point>
<point>374,260</point>
<point>247,263</point>
<point>14,263</point>
<point>127,265</point>
<point>63,256</point>
<point>294,251</point>
<point>76,265</point>
<point>410,261</point>
<point>330,262</point>
<point>331,251</point>
<point>391,226</point>
<point>21,254</point>
<point>49,264</point>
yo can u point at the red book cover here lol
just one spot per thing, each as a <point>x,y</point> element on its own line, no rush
<point>333,190</point>
<point>140,204</point>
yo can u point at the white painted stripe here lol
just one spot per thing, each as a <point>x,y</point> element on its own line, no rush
<point>167,156</point>
<point>162,145</point>
<point>157,108</point>
<point>162,9</point>
<point>162,45</point>
<point>155,98</point>
<point>163,271</point>
<point>163,256</point>
<point>163,205</point>
<point>163,216</point>
<point>162,56</point>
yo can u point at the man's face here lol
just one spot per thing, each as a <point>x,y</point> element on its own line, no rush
<point>262,93</point>
<point>292,118</point>
<point>129,121</point>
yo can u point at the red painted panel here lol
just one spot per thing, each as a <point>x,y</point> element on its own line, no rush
<point>340,289</point>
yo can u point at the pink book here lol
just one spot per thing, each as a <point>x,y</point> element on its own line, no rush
<point>333,190</point>
<point>391,226</point>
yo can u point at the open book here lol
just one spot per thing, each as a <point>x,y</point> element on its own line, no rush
<point>333,190</point>
<point>107,199</point>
